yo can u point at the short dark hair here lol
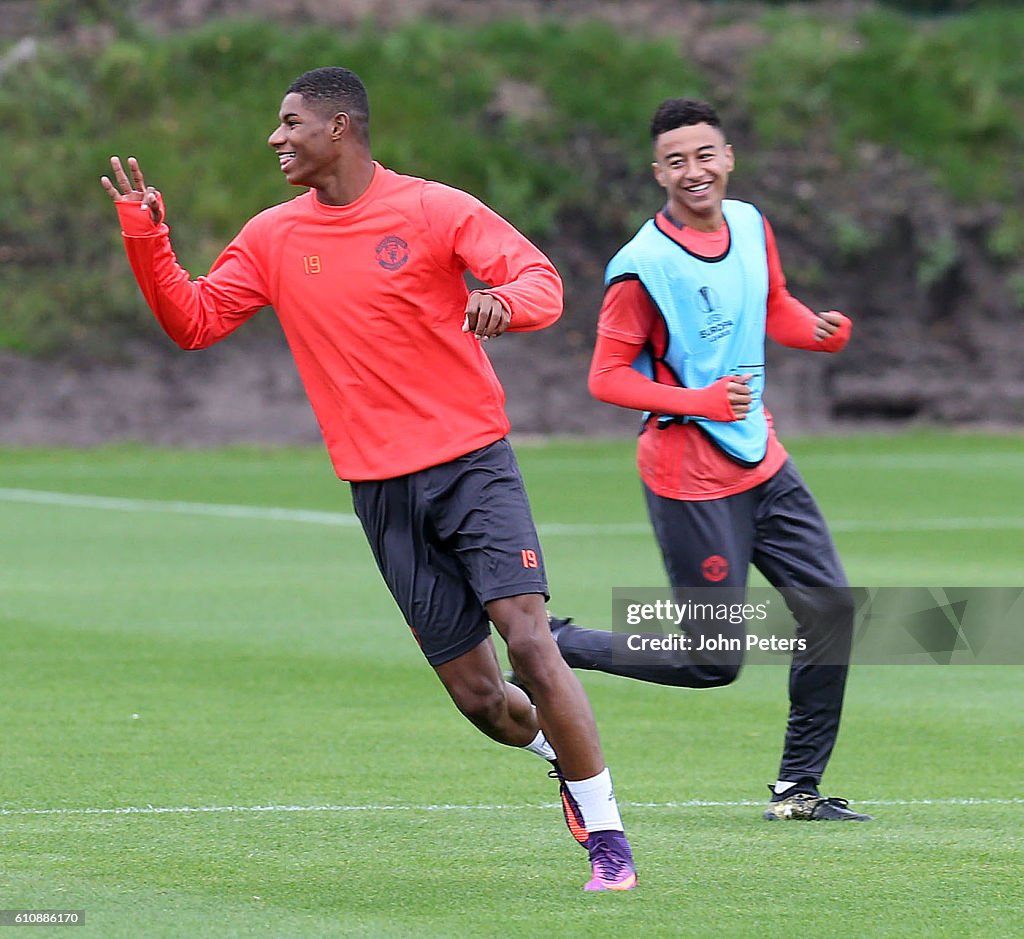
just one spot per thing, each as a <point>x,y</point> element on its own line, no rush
<point>336,89</point>
<point>682,112</point>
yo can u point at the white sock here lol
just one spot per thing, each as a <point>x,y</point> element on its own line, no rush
<point>541,747</point>
<point>596,799</point>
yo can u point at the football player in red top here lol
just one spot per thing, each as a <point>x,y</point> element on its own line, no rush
<point>365,271</point>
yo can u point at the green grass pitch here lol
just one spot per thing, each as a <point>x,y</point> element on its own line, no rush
<point>214,722</point>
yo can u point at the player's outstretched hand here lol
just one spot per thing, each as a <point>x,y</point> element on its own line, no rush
<point>486,316</point>
<point>134,189</point>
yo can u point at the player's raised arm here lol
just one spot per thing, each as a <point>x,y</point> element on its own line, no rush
<point>194,313</point>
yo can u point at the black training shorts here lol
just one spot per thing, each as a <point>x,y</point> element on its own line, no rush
<point>449,539</point>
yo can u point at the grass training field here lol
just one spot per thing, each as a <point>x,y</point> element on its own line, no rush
<point>214,722</point>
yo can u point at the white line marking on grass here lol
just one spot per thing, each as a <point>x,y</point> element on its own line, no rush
<point>448,807</point>
<point>270,513</point>
<point>549,529</point>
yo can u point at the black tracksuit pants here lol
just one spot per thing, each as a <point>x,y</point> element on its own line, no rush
<point>777,527</point>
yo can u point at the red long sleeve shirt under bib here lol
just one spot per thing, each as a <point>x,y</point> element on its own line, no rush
<point>371,297</point>
<point>679,461</point>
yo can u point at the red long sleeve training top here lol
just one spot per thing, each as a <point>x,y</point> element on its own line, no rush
<point>679,461</point>
<point>371,297</point>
